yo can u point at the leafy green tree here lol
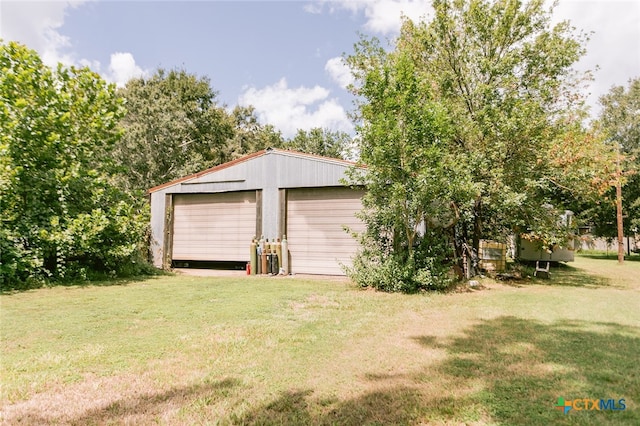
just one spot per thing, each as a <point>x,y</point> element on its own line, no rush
<point>505,75</point>
<point>322,142</point>
<point>413,184</point>
<point>619,123</point>
<point>249,135</point>
<point>502,77</point>
<point>172,127</point>
<point>60,215</point>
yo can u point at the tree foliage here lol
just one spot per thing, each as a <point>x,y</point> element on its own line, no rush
<point>324,142</point>
<point>484,94</point>
<point>504,74</point>
<point>619,125</point>
<point>412,182</point>
<point>172,127</point>
<point>249,135</point>
<point>60,215</point>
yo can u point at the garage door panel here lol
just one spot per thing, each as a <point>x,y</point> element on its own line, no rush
<point>311,209</point>
<point>320,239</point>
<point>307,204</point>
<point>316,219</point>
<point>204,230</point>
<point>200,210</point>
<point>213,227</point>
<point>345,249</point>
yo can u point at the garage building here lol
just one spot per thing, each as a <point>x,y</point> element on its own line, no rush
<point>212,216</point>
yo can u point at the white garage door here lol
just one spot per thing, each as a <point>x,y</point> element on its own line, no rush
<point>214,227</point>
<point>316,218</point>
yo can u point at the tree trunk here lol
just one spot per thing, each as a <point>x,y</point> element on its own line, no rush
<point>477,225</point>
<point>619,210</point>
<point>457,246</point>
<point>619,221</point>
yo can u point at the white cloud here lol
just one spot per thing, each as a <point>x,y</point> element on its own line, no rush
<point>37,24</point>
<point>314,8</point>
<point>382,16</point>
<point>290,109</point>
<point>614,46</point>
<point>339,72</point>
<point>123,68</point>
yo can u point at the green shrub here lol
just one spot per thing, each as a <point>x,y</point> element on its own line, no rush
<point>379,267</point>
<point>61,215</point>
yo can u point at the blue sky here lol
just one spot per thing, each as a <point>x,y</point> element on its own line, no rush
<point>282,57</point>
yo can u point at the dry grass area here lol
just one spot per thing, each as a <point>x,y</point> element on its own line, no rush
<point>250,350</point>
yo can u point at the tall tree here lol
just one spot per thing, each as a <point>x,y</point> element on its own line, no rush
<point>503,77</point>
<point>322,142</point>
<point>172,127</point>
<point>413,183</point>
<point>619,123</point>
<point>59,213</point>
<point>249,135</point>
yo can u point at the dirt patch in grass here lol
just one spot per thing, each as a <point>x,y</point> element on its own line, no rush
<point>123,399</point>
<point>93,398</point>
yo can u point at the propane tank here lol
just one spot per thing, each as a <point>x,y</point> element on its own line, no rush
<point>258,257</point>
<point>278,256</point>
<point>253,258</point>
<point>263,257</point>
<point>268,249</point>
<point>285,255</point>
<point>273,260</point>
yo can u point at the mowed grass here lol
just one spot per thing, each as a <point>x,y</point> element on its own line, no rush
<point>251,350</point>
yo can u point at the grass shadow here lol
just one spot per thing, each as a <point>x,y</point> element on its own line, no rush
<point>147,408</point>
<point>385,407</point>
<point>524,366</point>
<point>506,370</point>
<point>634,257</point>
<point>563,275</point>
<point>97,281</point>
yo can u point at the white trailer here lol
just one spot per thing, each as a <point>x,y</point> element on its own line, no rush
<point>530,251</point>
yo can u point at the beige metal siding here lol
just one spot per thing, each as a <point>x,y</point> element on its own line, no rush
<point>214,227</point>
<point>316,218</point>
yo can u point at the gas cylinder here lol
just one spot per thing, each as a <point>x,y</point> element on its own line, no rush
<point>253,257</point>
<point>267,245</point>
<point>278,255</point>
<point>274,258</point>
<point>285,255</point>
<point>263,256</point>
<point>273,261</point>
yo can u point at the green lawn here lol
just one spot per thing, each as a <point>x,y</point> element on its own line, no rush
<point>250,350</point>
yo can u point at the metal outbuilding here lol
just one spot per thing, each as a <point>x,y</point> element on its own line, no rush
<point>213,215</point>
